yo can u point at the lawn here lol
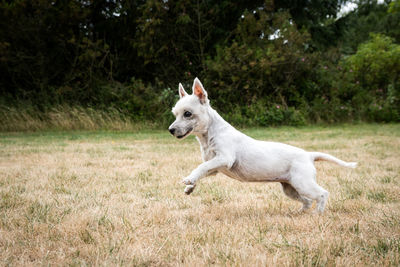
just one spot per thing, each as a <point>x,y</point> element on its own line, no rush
<point>115,198</point>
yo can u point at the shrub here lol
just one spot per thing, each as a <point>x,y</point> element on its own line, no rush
<point>265,62</point>
<point>370,79</point>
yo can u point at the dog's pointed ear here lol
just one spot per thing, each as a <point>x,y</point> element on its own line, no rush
<point>182,91</point>
<point>198,90</point>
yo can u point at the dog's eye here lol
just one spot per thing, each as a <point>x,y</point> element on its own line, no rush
<point>187,114</point>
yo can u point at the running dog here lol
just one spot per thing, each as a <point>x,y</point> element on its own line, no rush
<point>226,150</point>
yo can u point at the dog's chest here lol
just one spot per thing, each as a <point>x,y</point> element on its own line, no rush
<point>207,153</point>
<point>207,149</point>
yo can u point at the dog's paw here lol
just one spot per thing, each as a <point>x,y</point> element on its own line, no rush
<point>189,189</point>
<point>188,181</point>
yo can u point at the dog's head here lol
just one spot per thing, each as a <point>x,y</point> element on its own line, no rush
<point>191,112</point>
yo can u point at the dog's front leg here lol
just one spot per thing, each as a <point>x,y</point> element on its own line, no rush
<point>204,169</point>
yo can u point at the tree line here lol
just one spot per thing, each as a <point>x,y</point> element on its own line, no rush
<point>262,62</point>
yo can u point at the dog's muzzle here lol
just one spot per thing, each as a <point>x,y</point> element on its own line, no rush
<point>179,136</point>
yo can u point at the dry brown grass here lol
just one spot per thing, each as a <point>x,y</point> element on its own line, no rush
<point>115,199</point>
<point>64,118</point>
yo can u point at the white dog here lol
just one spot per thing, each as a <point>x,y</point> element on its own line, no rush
<point>224,149</point>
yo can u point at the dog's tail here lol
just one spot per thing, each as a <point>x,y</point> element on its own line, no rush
<point>323,156</point>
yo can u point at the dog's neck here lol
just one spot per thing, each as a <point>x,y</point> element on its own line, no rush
<point>216,125</point>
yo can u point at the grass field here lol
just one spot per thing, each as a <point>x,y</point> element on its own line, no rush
<point>105,198</point>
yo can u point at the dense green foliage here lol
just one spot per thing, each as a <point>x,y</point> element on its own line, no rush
<point>263,63</point>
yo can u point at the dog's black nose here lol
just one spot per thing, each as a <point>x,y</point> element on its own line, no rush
<point>172,131</point>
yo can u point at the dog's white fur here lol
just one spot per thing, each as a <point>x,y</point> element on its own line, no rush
<point>224,149</point>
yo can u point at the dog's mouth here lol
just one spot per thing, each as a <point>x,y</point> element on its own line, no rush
<point>186,134</point>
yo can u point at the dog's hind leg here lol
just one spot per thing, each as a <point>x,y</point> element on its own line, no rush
<point>303,181</point>
<point>293,194</point>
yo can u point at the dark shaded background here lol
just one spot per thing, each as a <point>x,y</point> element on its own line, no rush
<point>263,63</point>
